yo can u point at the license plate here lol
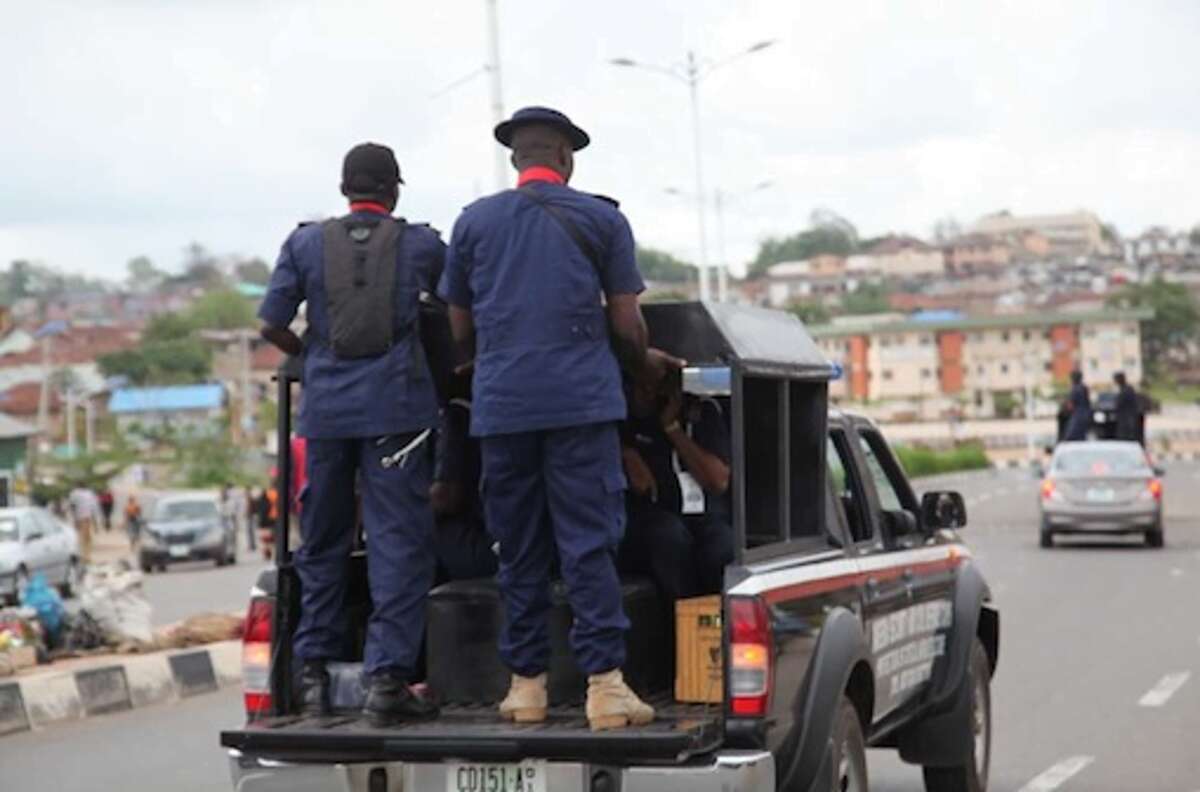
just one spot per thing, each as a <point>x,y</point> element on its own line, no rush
<point>180,551</point>
<point>1101,495</point>
<point>523,777</point>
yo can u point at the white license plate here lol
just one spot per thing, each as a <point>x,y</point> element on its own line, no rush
<point>527,776</point>
<point>180,551</point>
<point>1101,495</point>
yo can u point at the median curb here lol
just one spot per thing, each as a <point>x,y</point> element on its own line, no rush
<point>112,684</point>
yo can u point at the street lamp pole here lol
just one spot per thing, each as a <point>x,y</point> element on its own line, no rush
<point>493,70</point>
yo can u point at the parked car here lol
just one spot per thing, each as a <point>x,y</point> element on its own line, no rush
<point>33,540</point>
<point>186,527</point>
<point>852,616</point>
<point>1101,487</point>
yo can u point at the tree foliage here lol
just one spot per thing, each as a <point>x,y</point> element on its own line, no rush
<point>828,233</point>
<point>1175,327</point>
<point>142,272</point>
<point>811,312</point>
<point>221,309</point>
<point>658,265</point>
<point>253,270</point>
<point>869,298</point>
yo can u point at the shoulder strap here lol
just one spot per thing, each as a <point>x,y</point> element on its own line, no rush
<point>568,225</point>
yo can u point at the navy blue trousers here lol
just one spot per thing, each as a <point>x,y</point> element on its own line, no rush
<point>686,556</point>
<point>463,550</point>
<point>558,489</point>
<point>397,521</point>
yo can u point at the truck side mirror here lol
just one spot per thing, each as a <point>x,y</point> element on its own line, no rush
<point>943,510</point>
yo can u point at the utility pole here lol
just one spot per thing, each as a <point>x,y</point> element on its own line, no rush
<point>723,264</point>
<point>89,427</point>
<point>493,69</point>
<point>70,422</point>
<point>247,415</point>
<point>693,80</point>
<point>44,396</point>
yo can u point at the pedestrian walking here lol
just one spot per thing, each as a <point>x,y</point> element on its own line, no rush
<point>538,279</point>
<point>85,511</point>
<point>133,520</point>
<point>106,508</point>
<point>367,410</point>
<point>1129,410</point>
<point>248,514</point>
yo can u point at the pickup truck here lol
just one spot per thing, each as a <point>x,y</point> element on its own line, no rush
<point>853,616</point>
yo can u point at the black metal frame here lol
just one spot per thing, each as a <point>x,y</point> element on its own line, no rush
<point>286,581</point>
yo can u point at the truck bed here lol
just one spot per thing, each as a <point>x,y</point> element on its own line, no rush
<point>477,732</point>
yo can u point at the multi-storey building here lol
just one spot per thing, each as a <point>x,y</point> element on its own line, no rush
<point>1071,234</point>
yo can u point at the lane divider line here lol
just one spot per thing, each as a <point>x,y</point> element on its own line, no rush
<point>1168,686</point>
<point>1058,774</point>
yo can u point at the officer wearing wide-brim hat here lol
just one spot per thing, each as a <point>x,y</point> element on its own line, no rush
<point>538,279</point>
<point>367,408</point>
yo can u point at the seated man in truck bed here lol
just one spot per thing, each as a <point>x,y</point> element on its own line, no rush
<point>676,453</point>
<point>461,545</point>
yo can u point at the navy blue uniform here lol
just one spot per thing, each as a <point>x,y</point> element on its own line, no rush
<point>354,414</point>
<point>685,554</point>
<point>547,396</point>
<point>1079,420</point>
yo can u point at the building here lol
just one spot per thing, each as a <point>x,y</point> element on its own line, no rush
<point>973,254</point>
<point>15,437</point>
<point>974,359</point>
<point>187,409</point>
<point>1066,235</point>
<point>903,257</point>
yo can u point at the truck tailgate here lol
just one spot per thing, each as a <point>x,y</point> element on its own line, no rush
<point>679,731</point>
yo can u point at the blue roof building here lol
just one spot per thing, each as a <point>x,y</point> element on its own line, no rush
<point>172,398</point>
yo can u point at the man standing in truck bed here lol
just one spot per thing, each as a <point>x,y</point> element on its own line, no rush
<point>534,271</point>
<point>367,409</point>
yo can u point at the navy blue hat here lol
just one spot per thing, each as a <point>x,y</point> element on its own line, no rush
<point>541,115</point>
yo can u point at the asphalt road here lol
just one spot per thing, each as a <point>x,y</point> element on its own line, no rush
<point>1098,687</point>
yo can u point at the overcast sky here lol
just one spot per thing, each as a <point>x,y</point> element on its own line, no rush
<point>135,127</point>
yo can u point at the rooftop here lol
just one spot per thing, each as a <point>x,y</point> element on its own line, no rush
<point>889,325</point>
<point>167,399</point>
<point>11,428</point>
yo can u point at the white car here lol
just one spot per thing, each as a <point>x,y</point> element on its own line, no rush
<point>32,540</point>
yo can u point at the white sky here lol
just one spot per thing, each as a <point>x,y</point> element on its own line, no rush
<point>137,126</point>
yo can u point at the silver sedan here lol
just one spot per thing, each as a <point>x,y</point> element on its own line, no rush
<point>1102,486</point>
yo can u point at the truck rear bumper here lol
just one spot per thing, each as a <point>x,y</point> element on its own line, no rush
<point>725,771</point>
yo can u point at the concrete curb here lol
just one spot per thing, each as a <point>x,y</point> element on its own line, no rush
<point>117,684</point>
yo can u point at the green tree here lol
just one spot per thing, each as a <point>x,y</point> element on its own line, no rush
<point>801,246</point>
<point>20,279</point>
<point>1194,236</point>
<point>200,267</point>
<point>811,312</point>
<point>657,265</point>
<point>1175,326</point>
<point>167,327</point>
<point>867,299</point>
<point>222,309</point>
<point>141,271</point>
<point>253,270</point>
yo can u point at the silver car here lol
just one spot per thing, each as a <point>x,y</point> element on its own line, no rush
<point>186,528</point>
<point>1102,486</point>
<point>33,540</point>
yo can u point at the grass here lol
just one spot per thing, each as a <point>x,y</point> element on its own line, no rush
<point>920,461</point>
<point>1168,393</point>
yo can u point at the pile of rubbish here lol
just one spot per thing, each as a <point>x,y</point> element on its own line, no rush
<point>112,615</point>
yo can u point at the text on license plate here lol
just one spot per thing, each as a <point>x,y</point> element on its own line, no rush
<point>1102,495</point>
<point>524,777</point>
<point>179,551</point>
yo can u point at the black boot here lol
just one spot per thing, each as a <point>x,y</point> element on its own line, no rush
<point>314,689</point>
<point>389,701</point>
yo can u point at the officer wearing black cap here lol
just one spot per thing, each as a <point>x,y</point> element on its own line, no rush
<point>538,279</point>
<point>367,409</point>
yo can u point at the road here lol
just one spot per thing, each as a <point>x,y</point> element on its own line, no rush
<point>1098,688</point>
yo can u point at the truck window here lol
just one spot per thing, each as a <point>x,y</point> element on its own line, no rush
<point>893,489</point>
<point>846,486</point>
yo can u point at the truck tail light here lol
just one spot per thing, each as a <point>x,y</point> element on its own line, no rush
<point>256,658</point>
<point>750,667</point>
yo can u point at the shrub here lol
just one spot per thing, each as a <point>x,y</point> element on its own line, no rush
<point>921,461</point>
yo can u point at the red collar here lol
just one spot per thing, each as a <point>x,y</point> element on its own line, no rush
<point>540,173</point>
<point>369,206</point>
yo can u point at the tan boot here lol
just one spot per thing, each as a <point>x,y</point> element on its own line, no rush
<point>526,700</point>
<point>612,705</point>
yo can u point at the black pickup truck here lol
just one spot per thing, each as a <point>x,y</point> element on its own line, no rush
<point>852,617</point>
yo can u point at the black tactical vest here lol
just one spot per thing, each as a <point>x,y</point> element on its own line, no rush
<point>360,283</point>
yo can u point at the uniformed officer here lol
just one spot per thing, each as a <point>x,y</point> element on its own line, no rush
<point>677,459</point>
<point>461,544</point>
<point>537,279</point>
<point>367,408</point>
<point>1079,410</point>
<point>1129,411</point>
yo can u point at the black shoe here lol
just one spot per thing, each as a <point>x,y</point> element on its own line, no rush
<point>389,701</point>
<point>314,689</point>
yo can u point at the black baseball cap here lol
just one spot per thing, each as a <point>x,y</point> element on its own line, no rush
<point>370,168</point>
<point>541,115</point>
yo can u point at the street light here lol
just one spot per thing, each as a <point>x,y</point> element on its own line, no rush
<point>691,73</point>
<point>720,199</point>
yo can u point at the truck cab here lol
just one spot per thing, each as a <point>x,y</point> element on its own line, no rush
<point>852,616</point>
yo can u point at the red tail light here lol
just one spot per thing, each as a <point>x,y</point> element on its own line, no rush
<point>750,666</point>
<point>1156,489</point>
<point>256,657</point>
<point>1048,489</point>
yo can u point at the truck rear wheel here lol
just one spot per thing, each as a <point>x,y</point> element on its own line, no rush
<point>1154,537</point>
<point>972,776</point>
<point>849,750</point>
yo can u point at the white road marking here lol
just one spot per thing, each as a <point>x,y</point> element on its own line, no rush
<point>1057,775</point>
<point>1161,693</point>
